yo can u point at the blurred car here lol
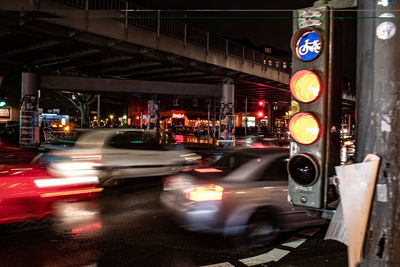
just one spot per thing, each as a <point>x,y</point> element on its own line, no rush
<point>245,192</point>
<point>28,192</point>
<point>120,153</point>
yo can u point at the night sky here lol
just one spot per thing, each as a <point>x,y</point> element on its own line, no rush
<point>270,27</point>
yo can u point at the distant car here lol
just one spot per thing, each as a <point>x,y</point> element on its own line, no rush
<point>28,192</point>
<point>112,154</point>
<point>245,192</point>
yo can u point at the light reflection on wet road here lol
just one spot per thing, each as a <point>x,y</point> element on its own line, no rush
<point>126,227</point>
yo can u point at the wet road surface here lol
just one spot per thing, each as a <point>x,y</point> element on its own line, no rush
<point>129,227</point>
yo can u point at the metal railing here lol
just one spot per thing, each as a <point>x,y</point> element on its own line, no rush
<point>173,24</point>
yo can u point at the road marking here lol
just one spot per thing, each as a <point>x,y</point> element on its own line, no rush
<point>294,242</point>
<point>309,232</point>
<point>274,255</point>
<point>222,264</point>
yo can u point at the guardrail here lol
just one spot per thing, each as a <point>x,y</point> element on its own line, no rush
<point>173,24</point>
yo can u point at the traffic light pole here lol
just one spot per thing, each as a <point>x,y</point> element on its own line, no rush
<point>378,123</point>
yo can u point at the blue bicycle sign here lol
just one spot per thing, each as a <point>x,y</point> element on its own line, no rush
<point>308,46</point>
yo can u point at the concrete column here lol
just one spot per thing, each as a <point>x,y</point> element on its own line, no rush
<point>269,114</point>
<point>153,118</point>
<point>98,111</point>
<point>29,119</point>
<point>227,122</point>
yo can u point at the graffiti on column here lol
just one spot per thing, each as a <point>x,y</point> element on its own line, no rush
<point>153,117</point>
<point>28,119</point>
<point>227,125</point>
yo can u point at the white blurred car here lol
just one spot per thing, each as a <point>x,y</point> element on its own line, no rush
<point>120,153</point>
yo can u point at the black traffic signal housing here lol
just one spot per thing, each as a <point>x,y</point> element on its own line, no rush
<point>316,94</point>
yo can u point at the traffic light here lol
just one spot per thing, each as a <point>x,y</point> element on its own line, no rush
<point>261,109</point>
<point>316,91</point>
<point>3,100</point>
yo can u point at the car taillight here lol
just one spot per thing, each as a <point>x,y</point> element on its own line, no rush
<point>207,170</point>
<point>72,181</point>
<point>206,193</point>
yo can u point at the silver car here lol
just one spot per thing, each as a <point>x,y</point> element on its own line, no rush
<point>244,192</point>
<point>120,153</point>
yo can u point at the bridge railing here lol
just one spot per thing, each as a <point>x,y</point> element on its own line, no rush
<point>174,24</point>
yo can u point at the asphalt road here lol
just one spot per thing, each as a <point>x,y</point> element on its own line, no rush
<point>129,227</point>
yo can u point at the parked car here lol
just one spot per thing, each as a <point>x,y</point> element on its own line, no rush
<point>244,192</point>
<point>112,154</point>
<point>28,192</point>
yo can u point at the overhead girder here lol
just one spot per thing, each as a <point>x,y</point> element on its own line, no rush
<point>32,47</point>
<point>169,74</point>
<point>95,85</point>
<point>128,67</point>
<point>72,55</point>
<point>150,71</point>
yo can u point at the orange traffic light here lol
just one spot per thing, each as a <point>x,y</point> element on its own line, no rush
<point>305,86</point>
<point>304,128</point>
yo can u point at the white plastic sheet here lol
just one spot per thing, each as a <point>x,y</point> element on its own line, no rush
<point>337,228</point>
<point>356,186</point>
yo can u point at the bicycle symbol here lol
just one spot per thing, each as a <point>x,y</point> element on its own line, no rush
<point>313,47</point>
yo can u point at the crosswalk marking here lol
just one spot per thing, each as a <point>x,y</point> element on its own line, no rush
<point>222,264</point>
<point>274,255</point>
<point>294,242</point>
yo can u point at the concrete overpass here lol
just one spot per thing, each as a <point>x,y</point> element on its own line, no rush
<point>113,39</point>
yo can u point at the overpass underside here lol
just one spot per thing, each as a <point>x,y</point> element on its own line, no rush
<point>51,38</point>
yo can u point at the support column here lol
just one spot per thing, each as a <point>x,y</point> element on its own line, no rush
<point>214,120</point>
<point>227,122</point>
<point>153,118</point>
<point>98,111</point>
<point>29,119</point>
<point>269,114</point>
<point>378,124</point>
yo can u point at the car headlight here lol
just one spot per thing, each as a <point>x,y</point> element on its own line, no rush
<point>191,157</point>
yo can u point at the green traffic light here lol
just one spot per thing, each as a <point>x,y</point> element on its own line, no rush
<point>2,103</point>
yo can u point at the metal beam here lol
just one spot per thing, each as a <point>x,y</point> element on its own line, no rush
<point>127,86</point>
<point>150,71</point>
<point>128,67</point>
<point>172,74</point>
<point>109,60</point>
<point>71,55</point>
<point>201,76</point>
<point>33,47</point>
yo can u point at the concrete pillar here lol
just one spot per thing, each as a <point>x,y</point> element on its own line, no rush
<point>29,119</point>
<point>227,123</point>
<point>269,114</point>
<point>153,116</point>
<point>98,111</point>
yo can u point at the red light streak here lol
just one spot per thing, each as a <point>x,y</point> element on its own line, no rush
<point>207,170</point>
<point>87,228</point>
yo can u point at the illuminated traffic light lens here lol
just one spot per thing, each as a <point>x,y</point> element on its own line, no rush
<point>2,103</point>
<point>305,86</point>
<point>304,128</point>
<point>303,169</point>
